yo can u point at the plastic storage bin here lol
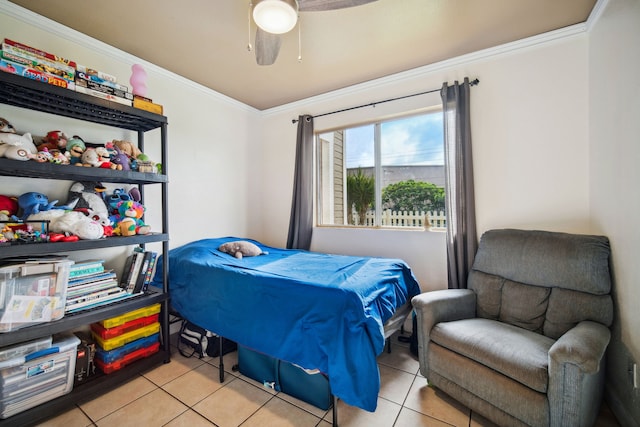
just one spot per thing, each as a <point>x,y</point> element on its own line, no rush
<point>38,377</point>
<point>32,293</point>
<point>108,368</point>
<point>126,338</point>
<point>8,354</point>
<point>132,315</point>
<point>282,376</point>
<point>107,333</point>
<point>114,355</point>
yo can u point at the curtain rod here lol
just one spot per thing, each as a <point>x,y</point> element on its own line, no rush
<point>373,104</point>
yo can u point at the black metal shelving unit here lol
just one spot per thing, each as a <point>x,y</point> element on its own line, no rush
<point>24,93</point>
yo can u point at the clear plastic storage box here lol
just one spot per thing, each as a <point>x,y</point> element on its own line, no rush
<point>31,380</point>
<point>32,293</point>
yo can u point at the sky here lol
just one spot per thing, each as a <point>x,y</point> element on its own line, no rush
<point>415,140</point>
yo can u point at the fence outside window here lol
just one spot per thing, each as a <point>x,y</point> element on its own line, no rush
<point>389,218</point>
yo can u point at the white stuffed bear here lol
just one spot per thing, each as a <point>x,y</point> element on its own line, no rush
<point>71,222</point>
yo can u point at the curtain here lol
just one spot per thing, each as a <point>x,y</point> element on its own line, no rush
<point>459,192</point>
<point>301,220</point>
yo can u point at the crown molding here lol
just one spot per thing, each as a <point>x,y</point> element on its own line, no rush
<point>596,13</point>
<point>64,32</point>
<point>457,62</point>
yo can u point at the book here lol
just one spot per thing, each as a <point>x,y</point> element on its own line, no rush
<point>39,52</point>
<point>33,74</point>
<point>38,63</point>
<point>98,80</point>
<point>149,275</point>
<point>91,278</point>
<point>135,271</point>
<point>94,295</point>
<point>102,95</point>
<point>85,268</point>
<point>99,74</point>
<point>143,272</point>
<point>80,82</point>
<point>146,105</point>
<point>98,302</point>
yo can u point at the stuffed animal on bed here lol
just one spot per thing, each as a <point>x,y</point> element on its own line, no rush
<point>240,248</point>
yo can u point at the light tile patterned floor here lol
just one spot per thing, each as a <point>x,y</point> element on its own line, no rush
<point>187,392</point>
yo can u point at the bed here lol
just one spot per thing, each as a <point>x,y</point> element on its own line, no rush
<point>316,310</point>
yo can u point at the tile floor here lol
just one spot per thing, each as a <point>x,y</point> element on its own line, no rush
<point>187,392</point>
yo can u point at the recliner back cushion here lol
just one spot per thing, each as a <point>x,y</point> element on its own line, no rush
<point>488,289</point>
<point>510,302</point>
<point>567,308</point>
<point>524,305</point>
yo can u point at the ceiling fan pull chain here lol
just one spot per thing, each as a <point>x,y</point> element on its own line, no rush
<point>249,47</point>
<point>299,39</point>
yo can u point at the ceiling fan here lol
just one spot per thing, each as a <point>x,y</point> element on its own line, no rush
<point>275,17</point>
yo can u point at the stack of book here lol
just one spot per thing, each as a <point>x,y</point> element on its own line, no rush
<point>90,285</point>
<point>36,64</point>
<point>138,271</point>
<point>102,85</point>
<point>147,104</point>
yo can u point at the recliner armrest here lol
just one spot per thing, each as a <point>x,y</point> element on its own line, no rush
<point>444,306</point>
<point>583,346</point>
<point>439,306</point>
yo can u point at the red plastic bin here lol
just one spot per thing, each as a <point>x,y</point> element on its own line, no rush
<point>108,333</point>
<point>108,368</point>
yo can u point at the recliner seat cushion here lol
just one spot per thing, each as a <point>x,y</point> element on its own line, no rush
<point>515,352</point>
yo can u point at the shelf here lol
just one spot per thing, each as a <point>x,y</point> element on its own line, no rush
<point>8,250</point>
<point>85,392</point>
<point>71,321</point>
<point>32,169</point>
<point>34,95</point>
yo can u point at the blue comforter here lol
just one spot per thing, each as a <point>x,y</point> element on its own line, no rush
<point>316,310</point>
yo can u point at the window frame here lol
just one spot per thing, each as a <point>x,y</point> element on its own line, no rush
<point>377,167</point>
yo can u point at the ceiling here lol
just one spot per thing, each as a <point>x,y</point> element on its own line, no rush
<point>206,40</point>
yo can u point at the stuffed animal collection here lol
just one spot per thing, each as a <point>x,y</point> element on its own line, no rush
<point>87,214</point>
<point>56,147</point>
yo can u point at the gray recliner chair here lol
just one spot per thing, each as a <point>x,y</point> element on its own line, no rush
<point>525,343</point>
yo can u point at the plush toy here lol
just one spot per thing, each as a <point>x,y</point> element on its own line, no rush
<point>86,196</point>
<point>70,222</point>
<point>127,148</point>
<point>42,156</point>
<point>240,248</point>
<point>32,203</point>
<point>14,146</point>
<point>97,157</point>
<point>121,159</point>
<point>53,140</point>
<point>58,158</point>
<point>130,215</point>
<point>8,208</point>
<point>75,148</point>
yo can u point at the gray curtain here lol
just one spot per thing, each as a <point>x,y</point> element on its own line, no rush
<point>462,240</point>
<point>301,221</point>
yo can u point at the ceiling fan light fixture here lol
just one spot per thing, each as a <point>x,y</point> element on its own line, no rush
<point>276,16</point>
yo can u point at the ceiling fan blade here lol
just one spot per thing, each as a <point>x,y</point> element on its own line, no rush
<point>320,5</point>
<point>267,47</point>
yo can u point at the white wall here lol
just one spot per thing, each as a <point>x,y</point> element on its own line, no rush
<point>209,135</point>
<point>530,147</point>
<point>614,118</point>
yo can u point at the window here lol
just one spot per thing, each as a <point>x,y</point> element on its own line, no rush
<point>383,174</point>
